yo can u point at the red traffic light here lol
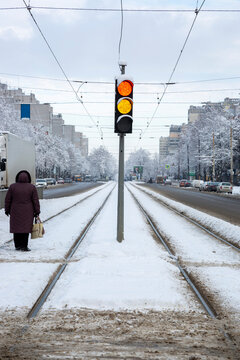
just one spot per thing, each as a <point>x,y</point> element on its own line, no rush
<point>125,87</point>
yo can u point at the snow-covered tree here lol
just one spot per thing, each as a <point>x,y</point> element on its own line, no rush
<point>142,158</point>
<point>102,164</point>
<point>53,154</point>
<point>207,145</point>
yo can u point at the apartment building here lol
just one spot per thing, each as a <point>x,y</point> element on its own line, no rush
<point>30,109</point>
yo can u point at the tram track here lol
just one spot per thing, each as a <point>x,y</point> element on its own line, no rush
<point>57,274</point>
<point>60,212</point>
<point>200,225</point>
<point>73,331</point>
<point>207,307</point>
<point>200,292</point>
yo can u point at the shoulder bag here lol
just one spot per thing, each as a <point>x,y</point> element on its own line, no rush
<point>37,229</point>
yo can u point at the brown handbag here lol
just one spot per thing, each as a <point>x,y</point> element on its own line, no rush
<point>37,229</point>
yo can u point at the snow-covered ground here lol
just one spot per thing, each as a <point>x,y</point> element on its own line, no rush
<point>236,190</point>
<point>49,208</point>
<point>136,274</point>
<point>231,232</point>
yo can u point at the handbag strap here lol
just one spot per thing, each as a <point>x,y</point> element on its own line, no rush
<point>37,220</point>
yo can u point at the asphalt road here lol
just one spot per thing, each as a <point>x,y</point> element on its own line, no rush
<point>68,189</point>
<point>224,207</point>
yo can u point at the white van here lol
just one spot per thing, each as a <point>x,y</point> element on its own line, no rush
<point>197,183</point>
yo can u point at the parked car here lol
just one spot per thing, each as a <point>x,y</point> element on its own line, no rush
<point>41,182</point>
<point>51,181</point>
<point>203,186</point>
<point>60,181</point>
<point>197,183</point>
<point>68,180</point>
<point>182,183</point>
<point>224,187</point>
<point>168,182</point>
<point>212,186</point>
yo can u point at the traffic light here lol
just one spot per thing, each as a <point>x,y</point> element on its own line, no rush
<point>123,105</point>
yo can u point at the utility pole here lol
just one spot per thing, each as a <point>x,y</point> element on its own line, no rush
<point>120,213</point>
<point>199,164</point>
<point>122,126</point>
<point>213,159</point>
<point>231,150</point>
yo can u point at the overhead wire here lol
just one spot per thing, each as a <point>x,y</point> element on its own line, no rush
<point>28,7</point>
<point>136,102</point>
<point>111,82</point>
<point>135,93</point>
<point>174,68</point>
<point>124,10</point>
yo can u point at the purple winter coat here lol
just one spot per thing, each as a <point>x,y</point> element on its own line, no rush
<point>22,203</point>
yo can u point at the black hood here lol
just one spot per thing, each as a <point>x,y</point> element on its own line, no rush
<point>26,172</point>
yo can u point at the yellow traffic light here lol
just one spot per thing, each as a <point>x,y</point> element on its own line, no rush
<point>124,106</point>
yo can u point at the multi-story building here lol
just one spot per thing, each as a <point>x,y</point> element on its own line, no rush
<point>173,140</point>
<point>69,133</point>
<point>30,109</point>
<point>195,113</point>
<point>84,146</point>
<point>163,146</point>
<point>57,125</point>
<point>168,145</point>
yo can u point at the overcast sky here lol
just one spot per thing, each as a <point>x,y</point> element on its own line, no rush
<point>86,44</point>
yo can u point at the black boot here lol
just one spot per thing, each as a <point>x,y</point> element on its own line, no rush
<point>25,249</point>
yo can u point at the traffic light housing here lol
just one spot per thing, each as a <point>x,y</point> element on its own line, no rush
<point>123,105</point>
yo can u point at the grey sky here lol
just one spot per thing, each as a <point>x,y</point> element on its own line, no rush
<point>86,45</point>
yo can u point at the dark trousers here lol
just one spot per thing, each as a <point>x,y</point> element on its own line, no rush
<point>20,240</point>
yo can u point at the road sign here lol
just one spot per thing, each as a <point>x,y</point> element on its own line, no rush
<point>138,169</point>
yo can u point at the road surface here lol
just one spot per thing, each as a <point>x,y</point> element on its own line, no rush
<point>226,207</point>
<point>68,189</point>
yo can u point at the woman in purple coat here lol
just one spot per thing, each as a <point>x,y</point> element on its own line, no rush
<point>22,204</point>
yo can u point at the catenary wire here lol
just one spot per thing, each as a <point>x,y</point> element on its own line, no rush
<point>61,68</point>
<point>124,10</point>
<point>174,68</point>
<point>135,93</point>
<point>135,83</point>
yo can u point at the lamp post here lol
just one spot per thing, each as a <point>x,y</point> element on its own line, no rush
<point>213,158</point>
<point>231,153</point>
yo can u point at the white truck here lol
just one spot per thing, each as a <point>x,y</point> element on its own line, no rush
<point>16,154</point>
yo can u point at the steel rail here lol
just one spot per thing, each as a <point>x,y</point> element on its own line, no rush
<point>210,232</point>
<point>210,311</point>
<point>200,297</point>
<point>57,274</point>
<point>59,213</point>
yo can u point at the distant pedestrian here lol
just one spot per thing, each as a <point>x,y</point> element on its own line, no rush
<point>22,204</point>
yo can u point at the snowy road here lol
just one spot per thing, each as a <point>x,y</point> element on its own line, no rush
<point>112,280</point>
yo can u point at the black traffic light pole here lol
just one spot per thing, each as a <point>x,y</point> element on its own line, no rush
<point>120,213</point>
